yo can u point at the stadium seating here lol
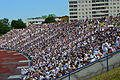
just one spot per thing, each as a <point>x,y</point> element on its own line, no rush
<point>57,48</point>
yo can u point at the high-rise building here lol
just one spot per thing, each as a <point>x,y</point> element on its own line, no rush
<point>89,9</point>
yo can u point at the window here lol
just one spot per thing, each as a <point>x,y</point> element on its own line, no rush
<point>72,9</point>
<point>99,8</point>
<point>72,2</point>
<point>73,16</point>
<point>100,4</point>
<point>94,12</point>
<point>107,7</point>
<point>72,5</point>
<point>114,3</point>
<point>100,15</point>
<point>99,1</point>
<point>72,13</point>
<point>93,1</point>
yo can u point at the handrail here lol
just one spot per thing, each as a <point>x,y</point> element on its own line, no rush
<point>26,54</point>
<point>66,75</point>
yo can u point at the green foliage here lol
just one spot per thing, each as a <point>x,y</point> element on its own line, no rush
<point>18,24</point>
<point>4,26</point>
<point>52,15</point>
<point>50,19</point>
<point>1,34</point>
<point>44,16</point>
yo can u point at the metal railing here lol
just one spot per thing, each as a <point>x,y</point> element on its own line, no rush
<point>87,65</point>
<point>76,70</point>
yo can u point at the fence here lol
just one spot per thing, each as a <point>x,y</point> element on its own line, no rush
<point>26,54</point>
<point>94,68</point>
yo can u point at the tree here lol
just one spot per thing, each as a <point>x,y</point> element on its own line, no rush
<point>4,26</point>
<point>18,24</point>
<point>52,15</point>
<point>44,17</point>
<point>50,19</point>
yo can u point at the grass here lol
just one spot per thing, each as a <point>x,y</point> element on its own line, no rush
<point>117,26</point>
<point>113,74</point>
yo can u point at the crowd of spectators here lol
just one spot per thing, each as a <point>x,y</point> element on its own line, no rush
<point>58,48</point>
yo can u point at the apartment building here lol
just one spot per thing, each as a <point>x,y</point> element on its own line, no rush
<point>89,9</point>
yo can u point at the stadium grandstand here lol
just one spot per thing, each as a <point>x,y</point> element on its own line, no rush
<point>57,48</point>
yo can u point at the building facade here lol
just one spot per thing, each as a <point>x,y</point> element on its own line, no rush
<point>40,20</point>
<point>89,9</point>
<point>37,20</point>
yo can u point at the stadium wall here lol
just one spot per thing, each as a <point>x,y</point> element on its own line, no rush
<point>95,68</point>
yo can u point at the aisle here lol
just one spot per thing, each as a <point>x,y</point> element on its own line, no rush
<point>10,64</point>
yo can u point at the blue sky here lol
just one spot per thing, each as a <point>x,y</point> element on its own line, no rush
<point>15,9</point>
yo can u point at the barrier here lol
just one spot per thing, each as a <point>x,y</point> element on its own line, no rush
<point>94,68</point>
<point>101,65</point>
